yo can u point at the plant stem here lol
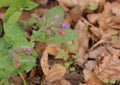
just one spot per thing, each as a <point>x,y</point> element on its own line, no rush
<point>22,78</point>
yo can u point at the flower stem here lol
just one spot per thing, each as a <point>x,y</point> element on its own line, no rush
<point>22,78</point>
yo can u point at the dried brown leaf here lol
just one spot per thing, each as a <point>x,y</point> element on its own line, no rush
<point>42,2</point>
<point>116,43</point>
<point>40,47</point>
<point>53,49</point>
<point>99,51</point>
<point>93,18</point>
<point>56,73</point>
<point>82,84</point>
<point>76,13</point>
<point>44,62</point>
<point>63,82</point>
<point>116,8</point>
<point>81,3</point>
<point>89,67</point>
<point>110,66</point>
<point>92,79</point>
<point>82,40</point>
<point>69,3</point>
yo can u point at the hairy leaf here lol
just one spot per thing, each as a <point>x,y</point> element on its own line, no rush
<point>16,34</point>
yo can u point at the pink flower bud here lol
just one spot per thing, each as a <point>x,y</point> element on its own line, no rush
<point>57,17</point>
<point>29,49</point>
<point>18,64</point>
<point>63,34</point>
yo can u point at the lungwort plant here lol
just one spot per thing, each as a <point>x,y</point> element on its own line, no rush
<point>16,52</point>
<point>52,29</point>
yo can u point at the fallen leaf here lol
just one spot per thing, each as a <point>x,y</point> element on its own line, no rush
<point>92,79</point>
<point>69,3</point>
<point>82,84</point>
<point>110,66</point>
<point>101,50</point>
<point>81,41</point>
<point>74,78</point>
<point>40,47</point>
<point>75,13</point>
<point>56,73</point>
<point>89,67</point>
<point>81,3</point>
<point>63,82</point>
<point>115,43</point>
<point>93,18</point>
<point>42,2</point>
<point>53,49</point>
<point>44,62</point>
<point>116,8</point>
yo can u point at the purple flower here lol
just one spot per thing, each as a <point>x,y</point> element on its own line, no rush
<point>28,49</point>
<point>57,17</point>
<point>64,25</point>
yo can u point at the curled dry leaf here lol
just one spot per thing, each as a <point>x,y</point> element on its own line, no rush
<point>106,20</point>
<point>56,73</point>
<point>92,79</point>
<point>116,43</point>
<point>106,37</point>
<point>110,66</point>
<point>69,3</point>
<point>81,41</point>
<point>42,2</point>
<point>44,62</point>
<point>93,18</point>
<point>99,51</point>
<point>116,8</point>
<point>82,84</point>
<point>76,13</point>
<point>81,3</point>
<point>40,47</point>
<point>63,82</point>
<point>89,67</point>
<point>53,49</point>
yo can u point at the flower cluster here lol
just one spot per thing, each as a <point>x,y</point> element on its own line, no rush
<point>63,25</point>
<point>17,62</point>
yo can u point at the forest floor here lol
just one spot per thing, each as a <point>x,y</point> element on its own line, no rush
<point>98,45</point>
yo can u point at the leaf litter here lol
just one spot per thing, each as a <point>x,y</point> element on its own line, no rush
<point>98,44</point>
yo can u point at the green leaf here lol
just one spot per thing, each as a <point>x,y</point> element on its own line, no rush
<point>70,35</point>
<point>73,47</point>
<point>14,18</point>
<point>93,7</point>
<point>106,80</point>
<point>112,31</point>
<point>0,29</point>
<point>62,55</point>
<point>27,63</point>
<point>76,56</point>
<point>72,69</point>
<point>16,34</point>
<point>38,36</point>
<point>14,11</point>
<point>41,36</point>
<point>4,3</point>
<point>67,64</point>
<point>52,12</point>
<point>112,81</point>
<point>15,7</point>
<point>29,5</point>
<point>115,37</point>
